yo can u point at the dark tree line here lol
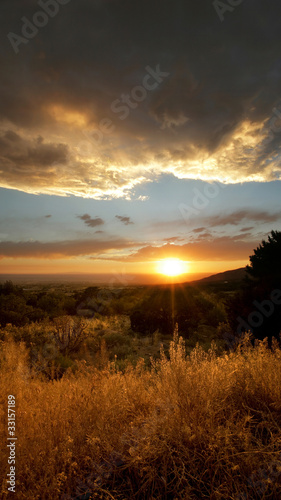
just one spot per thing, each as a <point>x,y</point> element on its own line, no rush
<point>257,306</point>
<point>19,307</point>
<point>184,305</point>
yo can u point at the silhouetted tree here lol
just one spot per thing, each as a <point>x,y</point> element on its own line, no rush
<point>265,266</point>
<point>257,307</point>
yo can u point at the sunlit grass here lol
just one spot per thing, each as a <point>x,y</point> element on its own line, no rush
<point>198,426</point>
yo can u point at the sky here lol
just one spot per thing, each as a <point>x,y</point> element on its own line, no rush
<point>131,132</point>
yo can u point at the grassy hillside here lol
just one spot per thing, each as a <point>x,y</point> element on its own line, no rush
<point>197,426</point>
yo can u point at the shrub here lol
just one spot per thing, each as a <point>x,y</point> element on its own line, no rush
<point>113,339</point>
<point>69,333</point>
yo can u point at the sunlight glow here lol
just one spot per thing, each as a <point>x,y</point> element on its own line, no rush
<point>69,116</point>
<point>172,267</point>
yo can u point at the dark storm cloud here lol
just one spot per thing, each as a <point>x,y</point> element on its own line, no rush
<point>18,152</point>
<point>125,220</point>
<point>89,221</point>
<point>211,117</point>
<point>31,162</point>
<point>34,165</point>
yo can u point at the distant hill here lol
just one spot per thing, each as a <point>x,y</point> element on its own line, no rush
<point>234,275</point>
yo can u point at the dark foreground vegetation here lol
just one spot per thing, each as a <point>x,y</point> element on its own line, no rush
<point>153,392</point>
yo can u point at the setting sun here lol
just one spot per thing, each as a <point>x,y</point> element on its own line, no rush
<point>172,267</point>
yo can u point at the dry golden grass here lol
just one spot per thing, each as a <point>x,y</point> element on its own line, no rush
<point>202,426</point>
